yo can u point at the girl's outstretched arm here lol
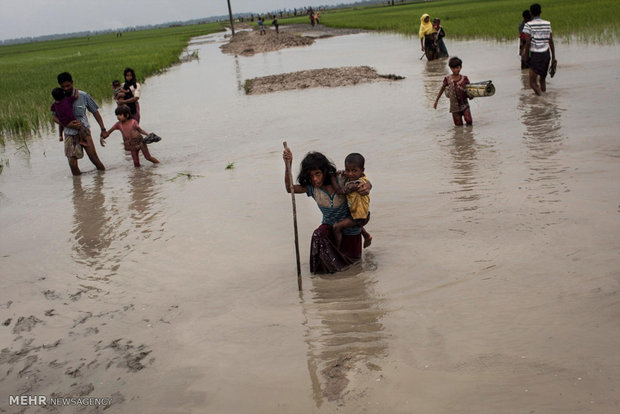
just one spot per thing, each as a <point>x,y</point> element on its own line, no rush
<point>140,130</point>
<point>287,156</point>
<point>106,133</point>
<point>443,87</point>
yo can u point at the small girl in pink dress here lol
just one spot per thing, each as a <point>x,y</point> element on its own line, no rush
<point>455,86</point>
<point>132,135</point>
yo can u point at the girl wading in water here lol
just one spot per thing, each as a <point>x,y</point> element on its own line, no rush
<point>315,180</point>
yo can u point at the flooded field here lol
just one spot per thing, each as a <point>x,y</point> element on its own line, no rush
<point>492,284</point>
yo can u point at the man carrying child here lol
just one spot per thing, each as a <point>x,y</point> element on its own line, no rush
<point>81,104</point>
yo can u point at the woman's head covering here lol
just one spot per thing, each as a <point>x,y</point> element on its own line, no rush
<point>426,28</point>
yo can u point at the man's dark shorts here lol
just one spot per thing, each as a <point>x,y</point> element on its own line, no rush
<point>539,62</point>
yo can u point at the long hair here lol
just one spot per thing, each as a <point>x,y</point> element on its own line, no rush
<point>315,161</point>
<point>133,78</point>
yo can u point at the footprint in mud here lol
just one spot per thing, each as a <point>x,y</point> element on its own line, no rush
<point>336,377</point>
<point>51,294</point>
<point>25,324</point>
<point>128,356</point>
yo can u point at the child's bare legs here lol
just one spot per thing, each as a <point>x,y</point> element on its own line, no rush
<point>338,227</point>
<point>457,117</point>
<point>467,116</point>
<point>147,154</point>
<point>367,238</point>
<point>136,159</point>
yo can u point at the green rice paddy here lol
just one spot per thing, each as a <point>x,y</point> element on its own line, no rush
<point>28,71</point>
<point>589,21</point>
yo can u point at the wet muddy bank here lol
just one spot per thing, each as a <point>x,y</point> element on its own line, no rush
<point>328,78</point>
<point>249,42</point>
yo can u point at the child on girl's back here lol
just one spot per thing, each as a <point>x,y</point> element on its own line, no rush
<point>455,86</point>
<point>358,204</point>
<point>132,135</point>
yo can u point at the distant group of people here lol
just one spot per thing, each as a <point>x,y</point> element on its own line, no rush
<point>314,17</point>
<point>455,85</point>
<point>69,111</point>
<point>536,50</point>
<point>261,25</point>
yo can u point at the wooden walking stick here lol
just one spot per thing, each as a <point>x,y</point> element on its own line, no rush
<point>292,190</point>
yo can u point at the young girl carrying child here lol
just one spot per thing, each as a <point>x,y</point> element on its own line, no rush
<point>132,135</point>
<point>455,86</point>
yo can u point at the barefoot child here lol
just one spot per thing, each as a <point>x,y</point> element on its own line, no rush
<point>132,135</point>
<point>358,204</point>
<point>455,86</point>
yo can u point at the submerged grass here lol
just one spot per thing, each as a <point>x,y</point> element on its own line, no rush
<point>590,21</point>
<point>28,71</point>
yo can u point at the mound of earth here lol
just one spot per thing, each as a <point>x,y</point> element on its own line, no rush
<point>329,77</point>
<point>248,43</point>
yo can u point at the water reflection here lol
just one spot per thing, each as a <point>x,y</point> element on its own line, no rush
<point>435,71</point>
<point>464,159</point>
<point>91,231</point>
<point>143,207</point>
<point>344,332</point>
<point>238,74</point>
<point>106,230</point>
<point>544,139</point>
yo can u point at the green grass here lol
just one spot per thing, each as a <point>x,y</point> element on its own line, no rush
<point>28,71</point>
<point>590,21</point>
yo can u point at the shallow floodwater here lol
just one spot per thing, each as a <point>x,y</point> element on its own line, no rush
<point>491,285</point>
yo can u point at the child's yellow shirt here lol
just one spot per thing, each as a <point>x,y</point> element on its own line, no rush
<point>359,205</point>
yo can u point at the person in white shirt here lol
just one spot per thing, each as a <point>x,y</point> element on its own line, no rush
<point>539,41</point>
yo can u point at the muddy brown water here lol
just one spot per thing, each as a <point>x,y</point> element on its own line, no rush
<point>491,285</point>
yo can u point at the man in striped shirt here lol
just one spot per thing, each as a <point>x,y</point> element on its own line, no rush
<point>539,41</point>
<point>83,103</point>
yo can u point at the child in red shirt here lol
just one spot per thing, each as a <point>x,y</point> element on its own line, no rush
<point>455,86</point>
<point>132,135</point>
